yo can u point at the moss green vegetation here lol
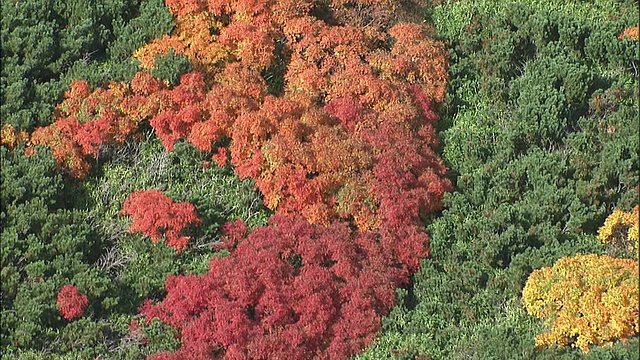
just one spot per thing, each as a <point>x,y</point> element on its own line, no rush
<point>56,232</point>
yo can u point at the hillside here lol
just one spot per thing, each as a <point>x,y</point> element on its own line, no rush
<point>324,179</point>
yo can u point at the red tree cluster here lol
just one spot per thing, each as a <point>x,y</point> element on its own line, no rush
<point>288,290</point>
<point>156,215</point>
<point>71,303</point>
<point>347,139</point>
<point>351,135</point>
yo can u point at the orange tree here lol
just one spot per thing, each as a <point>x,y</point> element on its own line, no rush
<point>349,136</point>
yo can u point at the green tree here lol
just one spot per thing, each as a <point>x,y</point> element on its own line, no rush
<point>45,245</point>
<point>47,43</point>
<point>540,131</point>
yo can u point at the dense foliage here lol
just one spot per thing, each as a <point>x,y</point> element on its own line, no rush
<point>586,300</point>
<point>620,231</point>
<point>333,115</point>
<point>290,289</point>
<point>47,43</point>
<point>323,147</point>
<point>71,302</point>
<point>156,215</point>
<point>540,129</point>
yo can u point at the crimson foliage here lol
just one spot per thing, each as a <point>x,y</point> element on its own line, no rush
<point>344,146</point>
<point>71,303</point>
<point>287,290</point>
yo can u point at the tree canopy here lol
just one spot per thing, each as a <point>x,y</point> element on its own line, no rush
<point>319,179</point>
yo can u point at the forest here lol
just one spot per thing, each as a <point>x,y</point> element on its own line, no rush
<point>320,179</point>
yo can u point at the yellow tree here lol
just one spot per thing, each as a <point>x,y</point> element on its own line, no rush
<point>10,137</point>
<point>193,36</point>
<point>620,230</point>
<point>585,300</point>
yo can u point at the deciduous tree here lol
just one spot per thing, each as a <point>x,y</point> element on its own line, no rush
<point>585,300</point>
<point>620,230</point>
<point>156,215</point>
<point>71,302</point>
<point>288,289</point>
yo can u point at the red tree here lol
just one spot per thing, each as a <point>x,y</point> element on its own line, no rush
<point>347,139</point>
<point>156,215</point>
<point>71,303</point>
<point>290,289</point>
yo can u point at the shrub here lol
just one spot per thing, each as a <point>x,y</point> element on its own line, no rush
<point>47,244</point>
<point>620,230</point>
<point>288,289</point>
<point>156,215</point>
<point>10,137</point>
<point>71,302</point>
<point>630,33</point>
<point>539,130</point>
<point>87,120</point>
<point>46,44</point>
<point>585,300</point>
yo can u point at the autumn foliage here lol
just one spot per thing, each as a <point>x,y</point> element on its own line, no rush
<point>155,215</point>
<point>350,137</point>
<point>10,137</point>
<point>620,230</point>
<point>631,33</point>
<point>288,290</point>
<point>585,300</point>
<point>334,121</point>
<point>351,134</point>
<point>71,303</point>
<point>194,36</point>
<point>590,299</point>
<point>87,119</point>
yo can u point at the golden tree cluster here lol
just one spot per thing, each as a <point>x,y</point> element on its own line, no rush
<point>585,300</point>
<point>193,36</point>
